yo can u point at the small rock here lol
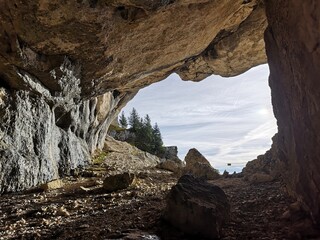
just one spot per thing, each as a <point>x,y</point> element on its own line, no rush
<point>225,174</point>
<point>62,212</point>
<point>85,189</point>
<point>45,222</point>
<point>286,215</point>
<point>118,181</point>
<point>84,226</point>
<point>55,184</point>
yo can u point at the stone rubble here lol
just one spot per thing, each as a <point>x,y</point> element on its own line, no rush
<point>82,209</point>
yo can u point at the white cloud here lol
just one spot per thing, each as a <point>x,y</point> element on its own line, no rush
<point>226,119</point>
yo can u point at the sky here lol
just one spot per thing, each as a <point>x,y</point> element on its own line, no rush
<point>229,120</point>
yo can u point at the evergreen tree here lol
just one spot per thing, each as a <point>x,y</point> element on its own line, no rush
<point>144,135</point>
<point>158,148</point>
<point>134,120</point>
<point>123,121</point>
<point>147,123</point>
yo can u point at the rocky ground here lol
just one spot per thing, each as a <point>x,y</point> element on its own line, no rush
<point>82,209</point>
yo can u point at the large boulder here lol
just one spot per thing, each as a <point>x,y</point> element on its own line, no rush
<point>171,161</point>
<point>198,166</point>
<point>197,208</point>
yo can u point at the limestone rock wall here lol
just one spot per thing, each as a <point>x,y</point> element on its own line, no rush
<point>40,141</point>
<point>293,49</point>
<point>44,136</point>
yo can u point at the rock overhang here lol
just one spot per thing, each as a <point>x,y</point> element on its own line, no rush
<point>127,45</point>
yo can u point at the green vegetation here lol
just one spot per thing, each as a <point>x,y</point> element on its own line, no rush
<point>99,157</point>
<point>116,128</point>
<point>146,137</point>
<point>134,120</point>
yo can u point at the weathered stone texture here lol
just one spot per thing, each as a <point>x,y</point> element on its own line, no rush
<point>293,49</point>
<point>44,136</point>
<point>198,166</point>
<point>266,167</point>
<point>36,147</point>
<point>126,44</point>
<point>197,208</point>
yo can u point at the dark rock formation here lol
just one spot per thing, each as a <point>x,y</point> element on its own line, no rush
<point>198,166</point>
<point>197,207</point>
<point>293,49</point>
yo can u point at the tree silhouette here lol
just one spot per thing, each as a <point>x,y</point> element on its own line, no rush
<point>158,148</point>
<point>134,120</point>
<point>145,137</point>
<point>123,121</point>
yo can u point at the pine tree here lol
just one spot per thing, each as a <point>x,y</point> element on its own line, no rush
<point>123,121</point>
<point>144,135</point>
<point>147,123</point>
<point>158,148</point>
<point>134,120</point>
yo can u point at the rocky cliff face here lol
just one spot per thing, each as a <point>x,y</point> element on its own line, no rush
<point>266,167</point>
<point>44,137</point>
<point>293,48</point>
<point>67,67</point>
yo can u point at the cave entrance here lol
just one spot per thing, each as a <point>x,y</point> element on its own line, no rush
<point>229,120</point>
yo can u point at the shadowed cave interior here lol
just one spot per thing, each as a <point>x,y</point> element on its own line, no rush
<point>67,69</point>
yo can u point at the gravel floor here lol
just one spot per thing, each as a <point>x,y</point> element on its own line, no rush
<point>81,211</point>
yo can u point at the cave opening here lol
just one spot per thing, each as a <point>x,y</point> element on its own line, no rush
<point>229,120</point>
